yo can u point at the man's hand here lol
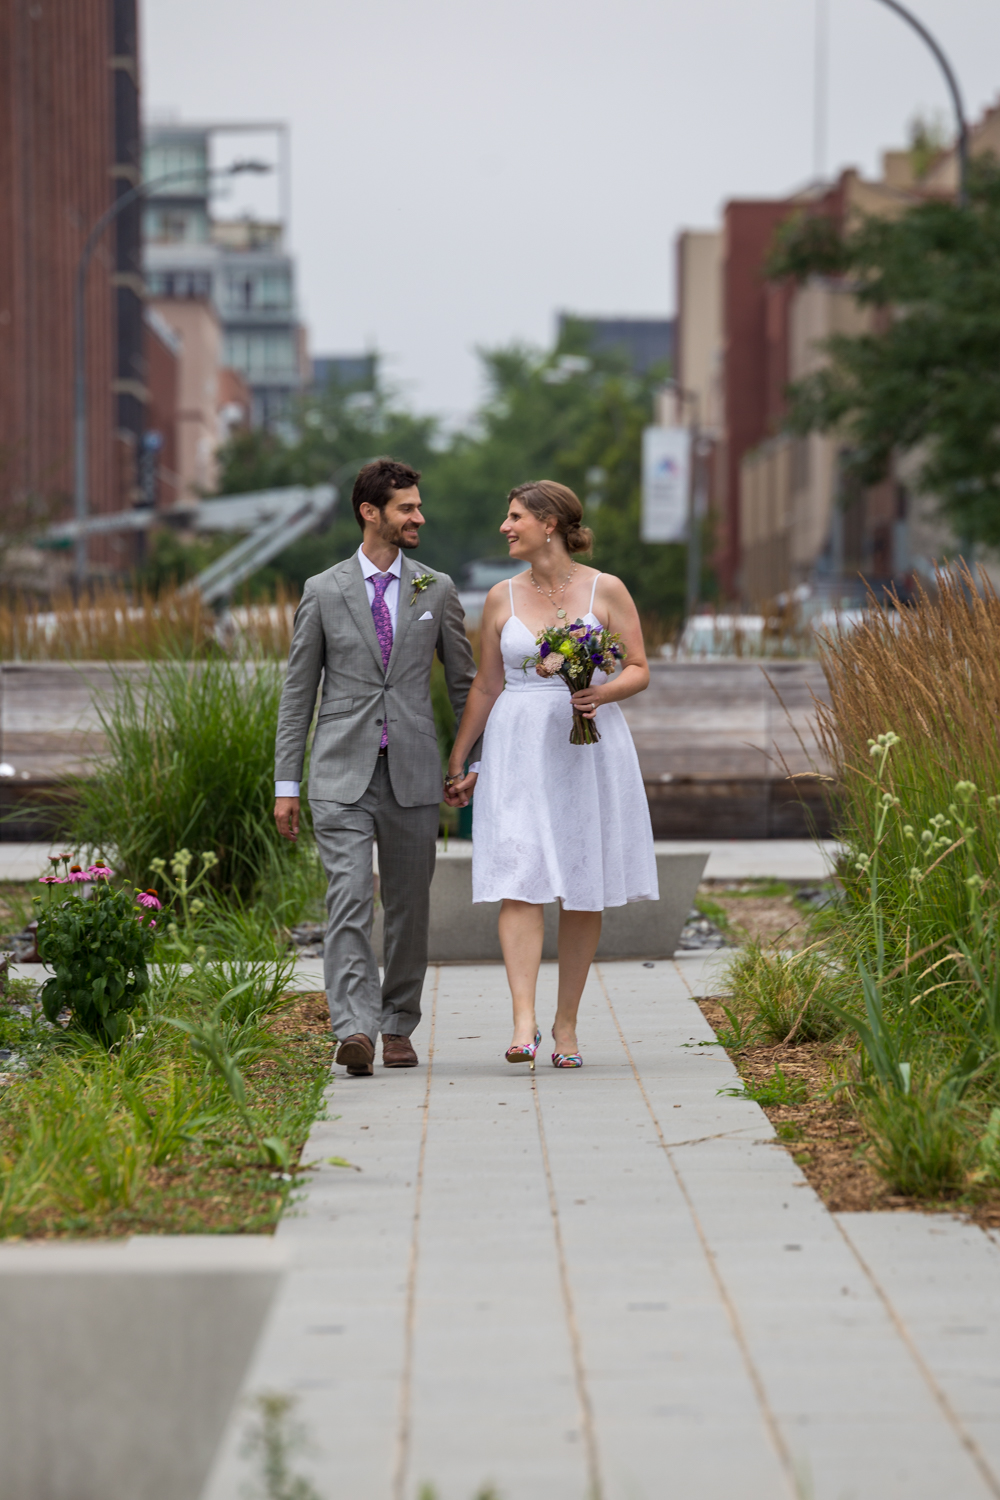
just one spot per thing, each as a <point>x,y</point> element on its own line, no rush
<point>458,794</point>
<point>286,815</point>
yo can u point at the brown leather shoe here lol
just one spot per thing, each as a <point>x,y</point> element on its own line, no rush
<point>397,1051</point>
<point>357,1055</point>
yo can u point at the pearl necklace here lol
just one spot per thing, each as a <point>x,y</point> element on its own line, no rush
<point>560,613</point>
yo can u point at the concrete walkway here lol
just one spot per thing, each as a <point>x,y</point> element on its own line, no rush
<point>611,1284</point>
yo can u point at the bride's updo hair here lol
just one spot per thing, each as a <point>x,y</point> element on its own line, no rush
<point>546,499</point>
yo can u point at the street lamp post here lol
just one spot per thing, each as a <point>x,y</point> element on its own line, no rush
<point>953,89</point>
<point>81,499</point>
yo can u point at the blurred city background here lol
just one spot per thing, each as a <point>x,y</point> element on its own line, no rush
<point>166,356</point>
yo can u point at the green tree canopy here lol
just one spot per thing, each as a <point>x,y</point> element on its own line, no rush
<point>569,414</point>
<point>926,377</point>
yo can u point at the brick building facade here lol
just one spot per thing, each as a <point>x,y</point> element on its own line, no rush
<point>69,142</point>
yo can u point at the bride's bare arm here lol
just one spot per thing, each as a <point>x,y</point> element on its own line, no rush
<point>487,685</point>
<point>615,604</point>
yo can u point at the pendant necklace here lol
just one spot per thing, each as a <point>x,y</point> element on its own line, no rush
<point>560,612</point>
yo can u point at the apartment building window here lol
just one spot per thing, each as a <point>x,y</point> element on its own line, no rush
<point>263,354</point>
<point>164,158</point>
<point>175,225</point>
<point>259,291</point>
<point>186,285</point>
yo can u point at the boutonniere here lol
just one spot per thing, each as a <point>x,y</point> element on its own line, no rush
<point>421,582</point>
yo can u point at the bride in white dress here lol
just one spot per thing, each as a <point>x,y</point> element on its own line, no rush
<point>552,821</point>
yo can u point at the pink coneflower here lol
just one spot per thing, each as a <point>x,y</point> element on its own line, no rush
<point>77,873</point>
<point>150,899</point>
<point>100,871</point>
<point>49,880</point>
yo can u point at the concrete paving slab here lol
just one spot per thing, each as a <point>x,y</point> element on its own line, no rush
<point>755,859</point>
<point>939,1277</point>
<point>608,1283</point>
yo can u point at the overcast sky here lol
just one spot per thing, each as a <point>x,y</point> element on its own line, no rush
<point>462,170</point>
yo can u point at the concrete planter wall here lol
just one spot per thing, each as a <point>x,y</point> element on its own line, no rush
<point>463,933</point>
<point>122,1361</point>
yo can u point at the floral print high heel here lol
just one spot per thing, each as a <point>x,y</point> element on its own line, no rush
<point>566,1059</point>
<point>517,1053</point>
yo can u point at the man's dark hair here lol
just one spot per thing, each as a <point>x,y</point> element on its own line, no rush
<point>376,482</point>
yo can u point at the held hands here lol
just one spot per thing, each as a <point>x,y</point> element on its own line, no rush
<point>286,815</point>
<point>588,700</point>
<point>458,793</point>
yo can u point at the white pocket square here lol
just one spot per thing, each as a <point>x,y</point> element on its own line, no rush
<point>426,615</point>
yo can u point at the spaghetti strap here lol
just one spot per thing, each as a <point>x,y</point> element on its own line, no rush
<point>592,593</point>
<point>510,587</point>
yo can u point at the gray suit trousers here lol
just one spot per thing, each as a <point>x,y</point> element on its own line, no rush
<point>406,839</point>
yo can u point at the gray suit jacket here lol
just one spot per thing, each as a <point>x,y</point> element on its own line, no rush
<point>334,638</point>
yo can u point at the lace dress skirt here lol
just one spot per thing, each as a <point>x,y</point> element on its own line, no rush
<point>555,821</point>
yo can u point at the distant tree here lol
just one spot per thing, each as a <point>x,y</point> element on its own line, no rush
<point>328,436</point>
<point>567,413</point>
<point>926,378</point>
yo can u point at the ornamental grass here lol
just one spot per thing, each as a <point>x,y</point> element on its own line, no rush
<point>911,732</point>
<point>906,967</point>
<point>189,764</point>
<point>118,624</point>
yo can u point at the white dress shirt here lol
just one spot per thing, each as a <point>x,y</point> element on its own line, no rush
<point>391,597</point>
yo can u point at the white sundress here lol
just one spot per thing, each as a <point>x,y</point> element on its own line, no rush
<point>555,821</point>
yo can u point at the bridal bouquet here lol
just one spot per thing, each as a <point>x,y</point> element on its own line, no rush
<point>574,653</point>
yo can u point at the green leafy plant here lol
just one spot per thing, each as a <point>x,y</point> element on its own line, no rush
<point>99,945</point>
<point>245,990</point>
<point>921,377</point>
<point>919,923</point>
<point>920,1141</point>
<point>785,996</point>
<point>778,1089</point>
<point>210,1041</point>
<point>190,764</point>
<point>273,1442</point>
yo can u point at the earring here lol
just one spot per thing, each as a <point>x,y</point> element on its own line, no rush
<point>548,538</point>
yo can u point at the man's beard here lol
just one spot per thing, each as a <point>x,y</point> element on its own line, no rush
<point>393,535</point>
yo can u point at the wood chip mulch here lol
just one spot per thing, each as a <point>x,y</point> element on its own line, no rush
<point>824,1136</point>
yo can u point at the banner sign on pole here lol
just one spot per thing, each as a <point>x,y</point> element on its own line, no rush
<point>666,477</point>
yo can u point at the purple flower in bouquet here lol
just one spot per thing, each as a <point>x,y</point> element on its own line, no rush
<point>574,653</point>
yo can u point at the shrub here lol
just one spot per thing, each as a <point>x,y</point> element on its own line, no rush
<point>99,945</point>
<point>914,696</point>
<point>190,763</point>
<point>784,995</point>
<point>921,1144</point>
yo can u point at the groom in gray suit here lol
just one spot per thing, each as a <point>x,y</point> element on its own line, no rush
<point>368,629</point>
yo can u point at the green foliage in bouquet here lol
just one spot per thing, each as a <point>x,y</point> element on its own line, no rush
<point>99,945</point>
<point>574,653</point>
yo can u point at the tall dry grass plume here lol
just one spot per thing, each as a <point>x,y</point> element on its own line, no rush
<point>931,673</point>
<point>116,624</point>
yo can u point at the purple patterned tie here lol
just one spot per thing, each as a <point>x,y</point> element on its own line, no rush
<point>383,629</point>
